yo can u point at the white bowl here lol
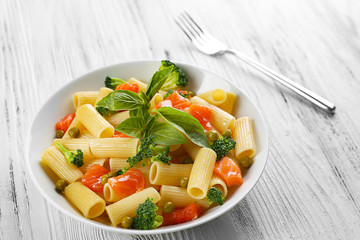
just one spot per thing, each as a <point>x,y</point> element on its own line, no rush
<point>42,133</point>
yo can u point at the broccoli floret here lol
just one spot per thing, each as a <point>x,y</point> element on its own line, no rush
<point>222,146</point>
<point>215,195</point>
<point>145,150</point>
<point>146,217</point>
<point>74,157</point>
<point>176,78</point>
<point>112,83</point>
<point>162,157</point>
<point>161,154</point>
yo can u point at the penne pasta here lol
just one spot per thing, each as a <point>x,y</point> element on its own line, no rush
<point>163,174</point>
<point>218,183</point>
<point>73,144</point>
<point>88,202</point>
<point>220,119</point>
<point>117,118</point>
<point>179,197</point>
<point>81,98</point>
<point>114,147</point>
<point>56,161</point>
<point>244,137</point>
<point>142,85</point>
<point>103,93</point>
<point>94,122</point>
<point>201,173</point>
<point>127,206</point>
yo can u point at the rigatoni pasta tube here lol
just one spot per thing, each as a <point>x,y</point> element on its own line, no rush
<point>215,96</point>
<point>81,98</point>
<point>192,149</point>
<point>220,119</point>
<point>161,173</point>
<point>56,161</point>
<point>73,144</point>
<point>201,173</point>
<point>88,202</point>
<point>179,197</point>
<point>103,93</point>
<point>114,147</point>
<point>155,100</point>
<point>94,122</point>
<point>218,183</point>
<point>116,118</point>
<point>119,163</point>
<point>244,137</point>
<point>142,85</point>
<point>126,207</point>
<point>228,105</point>
<point>75,123</point>
<point>85,134</point>
<point>109,194</point>
<point>89,162</point>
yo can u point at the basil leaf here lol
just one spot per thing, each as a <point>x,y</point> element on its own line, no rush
<point>149,124</point>
<point>132,126</point>
<point>157,80</point>
<point>166,134</point>
<point>185,123</point>
<point>120,100</point>
<point>142,112</point>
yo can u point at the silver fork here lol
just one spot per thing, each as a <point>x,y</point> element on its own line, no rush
<point>208,44</point>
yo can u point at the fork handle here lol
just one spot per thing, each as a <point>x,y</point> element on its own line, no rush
<point>307,94</point>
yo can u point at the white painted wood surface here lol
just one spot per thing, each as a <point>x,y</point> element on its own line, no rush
<point>311,186</point>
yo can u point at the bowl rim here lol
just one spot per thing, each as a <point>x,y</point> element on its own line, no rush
<point>173,228</point>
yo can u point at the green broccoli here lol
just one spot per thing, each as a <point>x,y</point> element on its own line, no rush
<point>162,157</point>
<point>176,78</point>
<point>215,195</point>
<point>222,146</point>
<point>145,150</point>
<point>112,83</point>
<point>74,157</point>
<point>146,217</point>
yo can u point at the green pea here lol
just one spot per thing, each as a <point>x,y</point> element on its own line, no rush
<point>159,218</point>
<point>187,161</point>
<point>126,222</point>
<point>60,185</point>
<point>74,132</point>
<point>112,174</point>
<point>59,133</point>
<point>104,179</point>
<point>227,133</point>
<point>168,207</point>
<point>184,182</point>
<point>212,135</point>
<point>191,93</point>
<point>246,162</point>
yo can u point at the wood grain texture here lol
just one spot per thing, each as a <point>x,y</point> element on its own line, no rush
<point>310,188</point>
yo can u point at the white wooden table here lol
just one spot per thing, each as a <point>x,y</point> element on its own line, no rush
<point>311,186</point>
